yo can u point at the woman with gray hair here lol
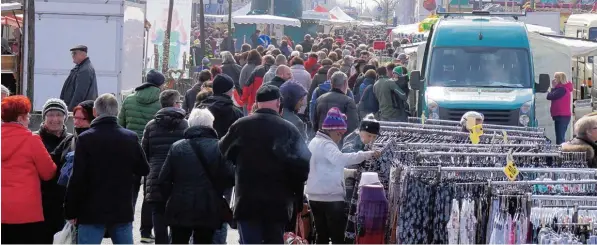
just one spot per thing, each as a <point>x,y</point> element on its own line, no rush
<point>586,135</point>
<point>193,179</point>
<point>471,115</point>
<point>5,92</point>
<point>230,68</point>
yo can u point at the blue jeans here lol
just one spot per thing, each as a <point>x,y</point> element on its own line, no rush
<point>94,233</point>
<point>561,125</point>
<point>261,232</point>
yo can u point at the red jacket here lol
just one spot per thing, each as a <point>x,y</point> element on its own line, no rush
<point>25,161</point>
<point>312,66</point>
<point>254,82</point>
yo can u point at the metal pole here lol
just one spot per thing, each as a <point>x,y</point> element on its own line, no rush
<point>30,49</point>
<point>202,29</point>
<point>166,52</point>
<point>271,11</point>
<point>230,36</point>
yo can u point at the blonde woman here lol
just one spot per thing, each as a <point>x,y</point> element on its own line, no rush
<point>561,110</point>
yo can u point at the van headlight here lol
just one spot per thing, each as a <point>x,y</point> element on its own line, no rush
<point>433,108</point>
<point>525,112</point>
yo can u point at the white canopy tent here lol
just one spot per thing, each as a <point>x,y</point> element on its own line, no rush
<point>340,15</point>
<point>224,18</point>
<point>266,19</point>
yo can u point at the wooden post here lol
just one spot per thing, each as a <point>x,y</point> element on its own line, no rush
<point>166,52</point>
<point>30,49</point>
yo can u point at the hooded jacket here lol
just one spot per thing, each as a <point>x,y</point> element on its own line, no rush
<point>359,93</point>
<point>369,103</point>
<point>327,163</point>
<point>318,79</point>
<point>312,66</point>
<point>292,92</point>
<point>582,145</point>
<point>253,83</point>
<point>25,161</point>
<point>167,127</point>
<point>193,185</point>
<point>139,108</point>
<point>560,97</point>
<point>392,100</point>
<point>223,110</point>
<point>233,70</point>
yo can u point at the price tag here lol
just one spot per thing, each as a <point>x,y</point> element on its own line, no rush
<point>505,136</point>
<point>511,170</point>
<point>423,118</point>
<point>475,134</point>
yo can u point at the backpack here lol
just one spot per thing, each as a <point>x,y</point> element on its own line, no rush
<point>67,169</point>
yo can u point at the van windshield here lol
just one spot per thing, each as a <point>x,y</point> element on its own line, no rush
<point>480,67</point>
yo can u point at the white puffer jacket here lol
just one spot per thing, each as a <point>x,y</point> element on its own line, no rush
<point>326,175</point>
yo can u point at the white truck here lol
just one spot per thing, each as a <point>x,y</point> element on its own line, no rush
<point>114,32</point>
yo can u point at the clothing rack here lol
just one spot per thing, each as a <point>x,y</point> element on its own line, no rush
<point>498,169</point>
<point>516,154</point>
<point>457,128</point>
<point>463,134</point>
<point>565,198</point>
<point>493,126</point>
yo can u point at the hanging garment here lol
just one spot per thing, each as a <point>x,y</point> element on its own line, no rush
<point>372,215</point>
<point>453,227</point>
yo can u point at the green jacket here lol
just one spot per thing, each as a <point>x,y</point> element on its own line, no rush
<point>391,100</point>
<point>139,108</point>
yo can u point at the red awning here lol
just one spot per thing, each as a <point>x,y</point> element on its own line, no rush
<point>320,9</point>
<point>13,21</point>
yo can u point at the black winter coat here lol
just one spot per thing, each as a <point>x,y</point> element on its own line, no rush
<point>167,127</point>
<point>224,111</point>
<point>107,157</point>
<point>52,194</point>
<point>189,98</point>
<point>335,98</point>
<point>186,180</point>
<point>276,81</point>
<point>272,165</point>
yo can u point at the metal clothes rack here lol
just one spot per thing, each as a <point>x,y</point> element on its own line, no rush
<point>463,134</point>
<point>492,126</point>
<point>516,154</point>
<point>498,169</point>
<point>457,128</point>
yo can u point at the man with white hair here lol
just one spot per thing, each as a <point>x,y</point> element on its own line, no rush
<point>270,174</point>
<point>336,98</point>
<point>269,75</point>
<point>5,92</point>
<point>283,74</point>
<point>99,193</point>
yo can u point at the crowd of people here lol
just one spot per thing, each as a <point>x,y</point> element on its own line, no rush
<point>278,125</point>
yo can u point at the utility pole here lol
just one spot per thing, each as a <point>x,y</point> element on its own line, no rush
<point>271,11</point>
<point>166,52</point>
<point>30,50</point>
<point>203,35</point>
<point>230,36</point>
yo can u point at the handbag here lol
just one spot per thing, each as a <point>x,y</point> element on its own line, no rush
<point>225,212</point>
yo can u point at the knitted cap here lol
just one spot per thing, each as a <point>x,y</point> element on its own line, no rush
<point>87,108</point>
<point>222,83</point>
<point>370,125</point>
<point>54,104</point>
<point>267,93</point>
<point>334,120</point>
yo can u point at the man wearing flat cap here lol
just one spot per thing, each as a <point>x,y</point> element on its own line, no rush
<point>81,83</point>
<point>272,165</point>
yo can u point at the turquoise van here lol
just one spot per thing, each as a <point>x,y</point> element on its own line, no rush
<point>478,63</point>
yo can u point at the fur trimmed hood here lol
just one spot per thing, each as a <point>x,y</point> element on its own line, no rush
<point>581,145</point>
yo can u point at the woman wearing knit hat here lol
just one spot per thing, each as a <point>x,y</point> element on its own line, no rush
<point>325,187</point>
<point>52,132</point>
<point>362,138</point>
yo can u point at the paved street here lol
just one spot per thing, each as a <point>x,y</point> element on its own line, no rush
<point>232,234</point>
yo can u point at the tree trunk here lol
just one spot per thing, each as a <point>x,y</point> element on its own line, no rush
<point>166,52</point>
<point>203,35</point>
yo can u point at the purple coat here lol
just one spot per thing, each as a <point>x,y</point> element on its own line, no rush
<point>560,97</point>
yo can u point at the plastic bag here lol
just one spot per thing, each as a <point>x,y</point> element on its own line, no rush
<point>68,235</point>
